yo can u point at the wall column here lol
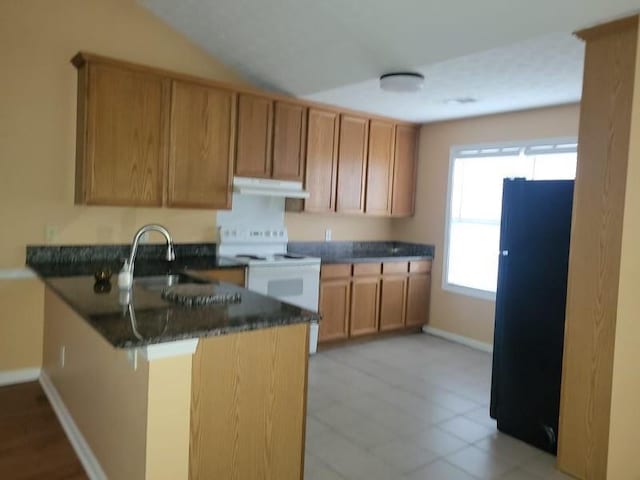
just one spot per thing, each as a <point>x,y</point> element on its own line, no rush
<point>599,420</point>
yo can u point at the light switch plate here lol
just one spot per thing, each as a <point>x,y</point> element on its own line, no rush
<point>327,235</point>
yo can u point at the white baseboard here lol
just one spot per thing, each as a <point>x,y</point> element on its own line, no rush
<point>23,375</point>
<point>78,442</point>
<point>453,337</point>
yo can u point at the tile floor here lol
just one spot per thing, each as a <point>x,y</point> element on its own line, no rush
<point>410,408</point>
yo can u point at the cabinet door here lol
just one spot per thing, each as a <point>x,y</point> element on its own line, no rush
<point>335,296</point>
<point>418,294</point>
<point>289,132</point>
<point>365,295</point>
<point>352,155</point>
<point>201,153</point>
<point>393,299</point>
<point>404,171</point>
<point>379,168</point>
<point>322,157</point>
<point>255,118</point>
<point>126,120</point>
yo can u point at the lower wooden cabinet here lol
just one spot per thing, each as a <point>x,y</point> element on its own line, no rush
<point>363,299</point>
<point>365,292</point>
<point>418,299</point>
<point>393,302</point>
<point>335,302</point>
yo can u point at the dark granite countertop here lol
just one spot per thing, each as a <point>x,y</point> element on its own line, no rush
<point>73,260</point>
<point>360,252</point>
<point>148,319</point>
<point>145,318</point>
<point>144,267</point>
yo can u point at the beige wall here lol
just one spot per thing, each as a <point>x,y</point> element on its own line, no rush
<point>455,313</point>
<point>136,421</point>
<point>38,97</point>
<point>21,324</point>
<point>37,145</point>
<point>106,397</point>
<point>624,428</point>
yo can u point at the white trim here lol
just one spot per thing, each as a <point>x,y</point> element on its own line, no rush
<point>454,337</point>
<point>13,377</point>
<point>16,273</point>
<point>78,442</point>
<point>169,349</point>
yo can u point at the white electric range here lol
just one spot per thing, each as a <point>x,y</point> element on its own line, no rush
<point>291,278</point>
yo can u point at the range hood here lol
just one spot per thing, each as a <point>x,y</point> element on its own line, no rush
<point>268,188</point>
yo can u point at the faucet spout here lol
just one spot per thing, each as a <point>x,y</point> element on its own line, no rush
<point>170,256</point>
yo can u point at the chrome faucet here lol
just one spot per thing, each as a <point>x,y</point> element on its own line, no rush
<point>171,255</point>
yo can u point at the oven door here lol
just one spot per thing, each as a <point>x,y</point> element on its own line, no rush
<point>295,284</point>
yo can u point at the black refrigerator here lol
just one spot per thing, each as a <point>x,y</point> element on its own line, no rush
<point>530,309</point>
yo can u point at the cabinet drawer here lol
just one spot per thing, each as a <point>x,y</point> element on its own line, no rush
<point>421,266</point>
<point>340,270</point>
<point>366,269</point>
<point>395,267</point>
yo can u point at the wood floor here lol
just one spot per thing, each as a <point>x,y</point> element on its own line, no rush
<point>32,442</point>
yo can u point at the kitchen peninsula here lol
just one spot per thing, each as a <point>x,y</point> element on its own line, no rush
<point>159,390</point>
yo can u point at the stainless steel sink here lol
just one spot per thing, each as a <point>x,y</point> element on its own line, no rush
<point>160,282</point>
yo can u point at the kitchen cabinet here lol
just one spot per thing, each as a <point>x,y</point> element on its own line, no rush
<point>393,299</point>
<point>366,298</point>
<point>365,294</point>
<point>335,302</point>
<point>152,138</point>
<point>404,171</point>
<point>122,139</point>
<point>322,160</point>
<point>255,123</point>
<point>379,167</point>
<point>352,155</point>
<point>289,137</point>
<point>419,286</point>
<point>201,146</point>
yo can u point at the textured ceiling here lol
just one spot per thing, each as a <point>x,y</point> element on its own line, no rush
<point>334,50</point>
<point>540,72</point>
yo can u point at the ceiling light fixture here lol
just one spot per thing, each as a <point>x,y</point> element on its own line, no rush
<point>402,82</point>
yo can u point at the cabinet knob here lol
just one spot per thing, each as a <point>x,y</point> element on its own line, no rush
<point>504,253</point>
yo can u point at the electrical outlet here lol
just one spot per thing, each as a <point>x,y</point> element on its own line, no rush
<point>50,233</point>
<point>327,235</point>
<point>63,355</point>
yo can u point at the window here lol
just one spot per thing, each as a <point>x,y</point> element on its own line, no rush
<point>475,203</point>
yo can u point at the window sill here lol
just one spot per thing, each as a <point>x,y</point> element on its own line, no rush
<point>469,292</point>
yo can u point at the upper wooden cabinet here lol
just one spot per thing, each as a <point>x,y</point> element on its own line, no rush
<point>150,137</point>
<point>380,167</point>
<point>255,123</point>
<point>122,138</point>
<point>404,171</point>
<point>289,141</point>
<point>352,157</point>
<point>201,150</point>
<point>322,160</point>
